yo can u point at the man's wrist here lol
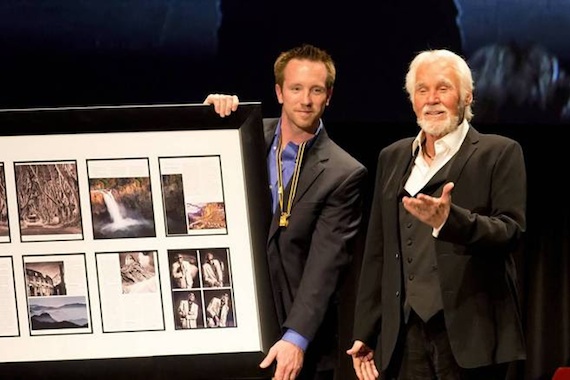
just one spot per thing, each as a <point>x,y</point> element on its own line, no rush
<point>297,339</point>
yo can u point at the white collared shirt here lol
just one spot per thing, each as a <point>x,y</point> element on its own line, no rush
<point>445,148</point>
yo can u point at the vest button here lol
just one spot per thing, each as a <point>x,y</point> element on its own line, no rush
<point>397,255</point>
<point>410,259</point>
<point>397,293</point>
<point>409,242</point>
<point>411,277</point>
<point>409,225</point>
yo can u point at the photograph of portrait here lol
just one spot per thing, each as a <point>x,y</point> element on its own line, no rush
<point>219,309</point>
<point>215,267</point>
<point>188,310</point>
<point>184,268</point>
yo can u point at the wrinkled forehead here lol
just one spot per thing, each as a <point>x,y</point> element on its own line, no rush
<point>434,73</point>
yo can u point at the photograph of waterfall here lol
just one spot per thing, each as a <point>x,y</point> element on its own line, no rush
<point>121,200</point>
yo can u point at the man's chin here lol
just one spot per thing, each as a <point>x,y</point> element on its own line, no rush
<point>306,124</point>
<point>437,128</point>
<point>431,126</point>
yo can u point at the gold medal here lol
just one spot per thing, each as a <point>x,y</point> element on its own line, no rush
<point>284,219</point>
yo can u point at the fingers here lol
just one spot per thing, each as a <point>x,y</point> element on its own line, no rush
<point>223,104</point>
<point>365,369</point>
<point>289,360</point>
<point>363,361</point>
<point>356,362</point>
<point>369,370</point>
<point>269,358</point>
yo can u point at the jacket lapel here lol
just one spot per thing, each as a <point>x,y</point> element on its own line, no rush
<point>468,147</point>
<point>269,127</point>
<point>452,170</point>
<point>312,167</point>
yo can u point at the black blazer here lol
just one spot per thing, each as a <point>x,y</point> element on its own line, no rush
<point>474,253</point>
<point>308,257</point>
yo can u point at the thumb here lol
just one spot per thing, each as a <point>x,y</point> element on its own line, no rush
<point>446,192</point>
<point>354,349</point>
<point>268,359</point>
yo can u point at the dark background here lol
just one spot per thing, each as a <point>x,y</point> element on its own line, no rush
<point>109,52</point>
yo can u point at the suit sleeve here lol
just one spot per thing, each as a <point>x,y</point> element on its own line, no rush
<point>368,309</point>
<point>499,225</point>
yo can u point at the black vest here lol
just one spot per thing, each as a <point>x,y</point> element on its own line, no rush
<point>419,261</point>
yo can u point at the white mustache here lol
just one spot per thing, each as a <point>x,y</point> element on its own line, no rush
<point>429,109</point>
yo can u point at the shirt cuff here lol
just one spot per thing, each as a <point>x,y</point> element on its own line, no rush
<point>435,231</point>
<point>297,339</point>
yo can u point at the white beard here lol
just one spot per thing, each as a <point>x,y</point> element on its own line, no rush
<point>440,128</point>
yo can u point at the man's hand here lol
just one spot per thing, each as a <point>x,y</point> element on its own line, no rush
<point>289,359</point>
<point>363,361</point>
<point>430,210</point>
<point>224,105</point>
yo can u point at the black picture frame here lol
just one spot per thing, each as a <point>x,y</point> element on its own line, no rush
<point>133,119</point>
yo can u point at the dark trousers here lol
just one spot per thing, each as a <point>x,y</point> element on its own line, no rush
<point>323,375</point>
<point>315,375</point>
<point>309,372</point>
<point>424,353</point>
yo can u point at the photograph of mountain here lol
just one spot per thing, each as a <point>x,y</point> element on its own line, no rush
<point>58,313</point>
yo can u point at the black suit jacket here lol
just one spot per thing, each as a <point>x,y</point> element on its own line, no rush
<point>308,257</point>
<point>474,253</point>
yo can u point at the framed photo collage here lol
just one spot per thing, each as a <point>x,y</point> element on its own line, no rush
<point>126,231</point>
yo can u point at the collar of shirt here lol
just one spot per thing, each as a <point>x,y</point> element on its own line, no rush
<point>288,156</point>
<point>445,148</point>
<point>449,143</point>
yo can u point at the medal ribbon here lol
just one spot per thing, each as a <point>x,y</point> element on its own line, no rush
<point>286,209</point>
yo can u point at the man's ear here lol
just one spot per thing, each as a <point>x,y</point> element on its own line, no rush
<point>329,95</point>
<point>279,93</point>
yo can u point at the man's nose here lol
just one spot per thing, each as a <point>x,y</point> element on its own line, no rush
<point>433,97</point>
